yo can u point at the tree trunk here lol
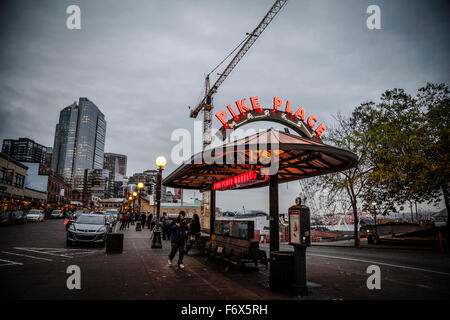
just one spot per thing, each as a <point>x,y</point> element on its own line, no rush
<point>445,192</point>
<point>412,217</point>
<point>355,216</point>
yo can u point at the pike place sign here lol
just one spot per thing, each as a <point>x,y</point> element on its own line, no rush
<point>295,121</point>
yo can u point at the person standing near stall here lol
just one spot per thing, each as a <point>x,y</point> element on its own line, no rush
<point>194,232</point>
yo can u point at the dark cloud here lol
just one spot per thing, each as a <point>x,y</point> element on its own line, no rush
<point>143,63</point>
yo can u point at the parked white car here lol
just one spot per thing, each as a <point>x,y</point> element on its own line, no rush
<point>56,214</point>
<point>35,215</point>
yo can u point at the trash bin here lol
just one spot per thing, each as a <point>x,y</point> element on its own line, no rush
<point>114,242</point>
<point>281,276</point>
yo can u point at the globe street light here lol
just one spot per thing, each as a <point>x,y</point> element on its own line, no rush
<point>156,242</point>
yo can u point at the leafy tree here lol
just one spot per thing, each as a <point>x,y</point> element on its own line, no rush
<point>408,146</point>
<point>349,134</point>
<point>434,102</point>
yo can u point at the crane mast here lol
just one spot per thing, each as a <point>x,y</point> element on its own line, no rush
<point>206,103</point>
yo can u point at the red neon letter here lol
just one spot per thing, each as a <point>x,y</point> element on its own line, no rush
<point>320,129</point>
<point>310,119</point>
<point>230,108</point>
<point>222,116</point>
<point>300,113</point>
<point>276,103</point>
<point>242,107</point>
<point>255,104</point>
<point>288,107</point>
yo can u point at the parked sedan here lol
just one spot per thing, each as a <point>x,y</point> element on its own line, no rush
<point>56,214</point>
<point>112,215</point>
<point>35,215</point>
<point>5,218</point>
<point>88,228</point>
<point>18,217</point>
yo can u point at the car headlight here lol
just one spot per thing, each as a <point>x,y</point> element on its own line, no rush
<point>102,229</point>
<point>72,227</point>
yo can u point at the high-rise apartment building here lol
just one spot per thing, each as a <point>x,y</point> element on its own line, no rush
<point>79,142</point>
<point>116,163</point>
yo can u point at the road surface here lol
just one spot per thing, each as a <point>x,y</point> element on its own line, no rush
<point>34,261</point>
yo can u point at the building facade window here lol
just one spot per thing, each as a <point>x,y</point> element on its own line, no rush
<point>19,180</point>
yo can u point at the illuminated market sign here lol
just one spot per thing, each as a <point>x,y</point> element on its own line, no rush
<point>240,180</point>
<point>294,120</point>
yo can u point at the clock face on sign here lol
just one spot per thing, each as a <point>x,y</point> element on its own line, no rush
<point>298,200</point>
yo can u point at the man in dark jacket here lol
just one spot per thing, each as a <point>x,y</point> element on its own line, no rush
<point>178,229</point>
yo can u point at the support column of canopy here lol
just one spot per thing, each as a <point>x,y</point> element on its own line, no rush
<point>273,205</point>
<point>212,207</point>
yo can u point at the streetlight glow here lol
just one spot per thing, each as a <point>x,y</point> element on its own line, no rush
<point>161,161</point>
<point>140,185</point>
<point>130,198</point>
<point>134,194</point>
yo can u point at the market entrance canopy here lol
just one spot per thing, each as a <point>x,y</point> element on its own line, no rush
<point>291,157</point>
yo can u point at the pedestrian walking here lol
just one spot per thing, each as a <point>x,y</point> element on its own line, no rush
<point>128,219</point>
<point>143,219</point>
<point>153,222</point>
<point>124,221</point>
<point>165,226</point>
<point>69,218</point>
<point>178,238</point>
<point>149,220</point>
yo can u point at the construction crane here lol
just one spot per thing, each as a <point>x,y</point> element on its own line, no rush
<point>206,102</point>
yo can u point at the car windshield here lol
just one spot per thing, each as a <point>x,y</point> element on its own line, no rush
<point>34,212</point>
<point>85,219</point>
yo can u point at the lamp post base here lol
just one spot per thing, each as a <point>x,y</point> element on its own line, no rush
<point>156,240</point>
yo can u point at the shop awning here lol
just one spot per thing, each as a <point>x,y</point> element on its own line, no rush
<point>296,157</point>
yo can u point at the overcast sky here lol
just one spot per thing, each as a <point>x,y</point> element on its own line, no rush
<point>143,62</point>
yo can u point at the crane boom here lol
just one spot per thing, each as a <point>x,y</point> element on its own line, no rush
<point>243,50</point>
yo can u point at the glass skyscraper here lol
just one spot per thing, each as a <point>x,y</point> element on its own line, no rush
<point>79,142</point>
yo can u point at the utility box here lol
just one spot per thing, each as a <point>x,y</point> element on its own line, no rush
<point>299,225</point>
<point>114,243</point>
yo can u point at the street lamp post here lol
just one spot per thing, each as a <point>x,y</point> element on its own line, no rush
<point>156,242</point>
<point>134,200</point>
<point>140,186</point>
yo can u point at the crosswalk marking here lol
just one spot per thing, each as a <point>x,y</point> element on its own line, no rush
<point>22,252</point>
<point>26,256</point>
<point>35,250</point>
<point>9,263</point>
